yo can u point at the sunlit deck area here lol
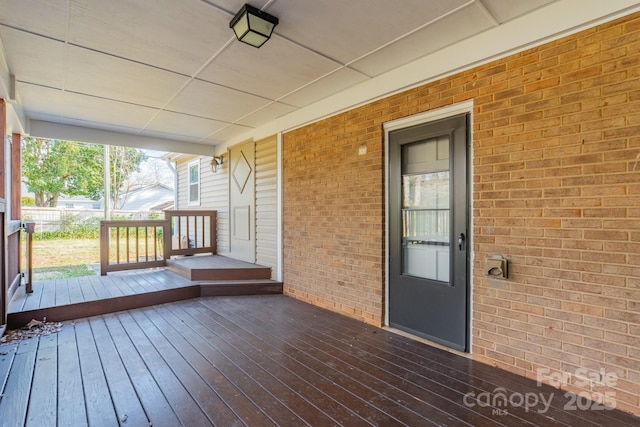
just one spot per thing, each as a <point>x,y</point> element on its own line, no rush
<point>258,361</point>
<point>72,298</point>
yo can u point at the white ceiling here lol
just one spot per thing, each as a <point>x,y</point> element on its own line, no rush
<point>172,69</point>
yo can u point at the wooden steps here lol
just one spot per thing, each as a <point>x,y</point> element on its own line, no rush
<point>216,267</point>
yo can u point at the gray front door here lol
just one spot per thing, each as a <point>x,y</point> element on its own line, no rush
<point>428,220</point>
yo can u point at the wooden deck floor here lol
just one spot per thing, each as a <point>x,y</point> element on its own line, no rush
<point>50,293</point>
<point>65,299</point>
<point>254,361</point>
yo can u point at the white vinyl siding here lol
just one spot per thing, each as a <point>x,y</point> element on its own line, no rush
<point>267,203</point>
<point>214,193</point>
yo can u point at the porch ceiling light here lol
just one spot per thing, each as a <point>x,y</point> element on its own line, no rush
<point>253,26</point>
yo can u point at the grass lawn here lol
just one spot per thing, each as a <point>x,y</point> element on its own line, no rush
<point>62,258</point>
<point>57,259</point>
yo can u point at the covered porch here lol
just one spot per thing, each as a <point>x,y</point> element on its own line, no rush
<point>552,155</point>
<point>262,360</point>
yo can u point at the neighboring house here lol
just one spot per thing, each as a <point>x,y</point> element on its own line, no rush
<point>79,202</point>
<point>69,202</point>
<point>529,159</point>
<point>154,197</point>
<point>150,198</point>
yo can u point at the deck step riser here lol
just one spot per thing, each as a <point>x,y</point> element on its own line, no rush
<point>216,274</point>
<point>217,268</point>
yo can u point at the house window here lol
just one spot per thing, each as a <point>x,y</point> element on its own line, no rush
<point>194,183</point>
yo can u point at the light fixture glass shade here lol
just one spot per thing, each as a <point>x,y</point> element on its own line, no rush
<point>252,26</point>
<point>216,164</point>
<point>241,27</point>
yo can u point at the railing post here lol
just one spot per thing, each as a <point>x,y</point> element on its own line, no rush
<point>213,229</point>
<point>104,248</point>
<point>166,238</point>
<point>29,228</point>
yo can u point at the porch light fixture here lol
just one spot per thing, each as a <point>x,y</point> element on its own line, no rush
<point>253,26</point>
<point>216,164</point>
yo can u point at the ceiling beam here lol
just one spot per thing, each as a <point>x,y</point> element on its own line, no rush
<point>15,117</point>
<point>44,129</point>
<point>5,76</point>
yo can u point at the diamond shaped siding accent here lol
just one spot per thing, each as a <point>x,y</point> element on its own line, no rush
<point>242,172</point>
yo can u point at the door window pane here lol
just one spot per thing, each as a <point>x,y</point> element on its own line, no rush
<point>425,215</point>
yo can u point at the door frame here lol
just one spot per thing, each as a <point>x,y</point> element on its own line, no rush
<point>465,107</point>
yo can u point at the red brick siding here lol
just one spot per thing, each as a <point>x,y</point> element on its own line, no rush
<point>556,189</point>
<point>334,216</point>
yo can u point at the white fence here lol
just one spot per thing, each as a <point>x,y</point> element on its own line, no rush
<point>57,219</point>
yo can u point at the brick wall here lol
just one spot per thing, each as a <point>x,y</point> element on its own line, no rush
<point>334,216</point>
<point>556,189</point>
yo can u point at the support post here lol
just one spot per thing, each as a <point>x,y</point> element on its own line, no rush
<point>107,183</point>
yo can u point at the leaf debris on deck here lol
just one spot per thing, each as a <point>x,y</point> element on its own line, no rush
<point>35,328</point>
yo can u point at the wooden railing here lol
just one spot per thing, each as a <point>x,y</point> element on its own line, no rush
<point>127,245</point>
<point>134,244</point>
<point>14,276</point>
<point>192,232</point>
<point>29,227</point>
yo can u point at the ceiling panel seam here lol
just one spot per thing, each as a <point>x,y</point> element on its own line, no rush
<point>433,21</point>
<point>190,79</point>
<point>487,13</point>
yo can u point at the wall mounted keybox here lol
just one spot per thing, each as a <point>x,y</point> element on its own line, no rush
<point>497,267</point>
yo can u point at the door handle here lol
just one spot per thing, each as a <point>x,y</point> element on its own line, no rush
<point>461,240</point>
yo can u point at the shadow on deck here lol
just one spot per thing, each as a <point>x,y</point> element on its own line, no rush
<point>184,278</point>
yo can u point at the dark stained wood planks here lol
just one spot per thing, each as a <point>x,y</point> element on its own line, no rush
<point>71,399</point>
<point>43,399</point>
<point>254,361</point>
<point>15,395</point>
<point>152,398</point>
<point>97,396</point>
<point>182,403</point>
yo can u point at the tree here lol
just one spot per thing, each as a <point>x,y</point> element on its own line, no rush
<point>124,162</point>
<point>52,167</point>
